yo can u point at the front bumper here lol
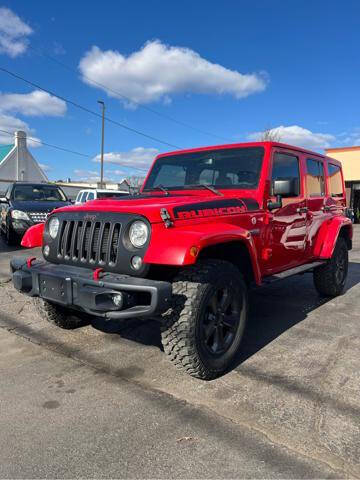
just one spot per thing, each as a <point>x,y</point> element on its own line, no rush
<point>75,288</point>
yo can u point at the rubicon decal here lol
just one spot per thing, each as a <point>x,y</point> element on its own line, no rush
<point>215,208</point>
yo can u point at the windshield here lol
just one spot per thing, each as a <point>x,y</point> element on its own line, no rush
<point>227,168</point>
<point>45,193</point>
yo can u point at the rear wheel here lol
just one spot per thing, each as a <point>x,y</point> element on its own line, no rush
<point>329,279</point>
<point>202,332</point>
<point>58,315</point>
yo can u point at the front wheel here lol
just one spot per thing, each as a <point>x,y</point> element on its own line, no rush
<point>58,315</point>
<point>202,332</point>
<point>10,237</point>
<point>329,279</point>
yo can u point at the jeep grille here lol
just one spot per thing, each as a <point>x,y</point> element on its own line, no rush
<point>94,242</point>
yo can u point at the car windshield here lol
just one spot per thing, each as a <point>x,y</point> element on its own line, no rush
<point>225,168</point>
<point>38,193</point>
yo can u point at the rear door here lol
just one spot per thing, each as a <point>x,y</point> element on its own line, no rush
<point>287,225</point>
<point>316,196</point>
<point>336,200</point>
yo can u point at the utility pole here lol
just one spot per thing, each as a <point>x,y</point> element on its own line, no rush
<point>102,144</point>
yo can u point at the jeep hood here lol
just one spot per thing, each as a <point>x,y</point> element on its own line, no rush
<point>178,206</point>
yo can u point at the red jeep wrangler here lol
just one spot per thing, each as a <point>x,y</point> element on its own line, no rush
<point>208,223</point>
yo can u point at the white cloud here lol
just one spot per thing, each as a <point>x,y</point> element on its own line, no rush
<point>137,158</point>
<point>80,173</point>
<point>158,70</point>
<point>35,103</point>
<point>350,138</point>
<point>13,33</point>
<point>88,175</point>
<point>299,136</point>
<point>12,124</point>
<point>45,167</point>
<point>58,49</point>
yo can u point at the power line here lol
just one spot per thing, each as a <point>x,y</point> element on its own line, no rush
<point>117,93</point>
<point>53,146</point>
<point>88,110</point>
<point>70,151</point>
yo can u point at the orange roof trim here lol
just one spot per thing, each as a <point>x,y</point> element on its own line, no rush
<point>342,149</point>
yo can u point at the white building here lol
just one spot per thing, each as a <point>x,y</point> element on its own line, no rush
<point>17,163</point>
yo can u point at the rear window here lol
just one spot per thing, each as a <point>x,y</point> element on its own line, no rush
<point>335,178</point>
<point>110,194</point>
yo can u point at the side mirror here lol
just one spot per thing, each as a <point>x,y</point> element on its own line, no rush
<point>4,200</point>
<point>286,187</point>
<point>276,204</point>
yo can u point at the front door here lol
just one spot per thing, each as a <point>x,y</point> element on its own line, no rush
<point>286,240</point>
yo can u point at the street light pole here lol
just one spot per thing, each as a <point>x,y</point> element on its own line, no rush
<point>102,144</point>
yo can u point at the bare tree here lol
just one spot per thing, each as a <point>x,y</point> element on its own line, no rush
<point>270,135</point>
<point>135,182</point>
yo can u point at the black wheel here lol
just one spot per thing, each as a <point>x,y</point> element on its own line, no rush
<point>10,237</point>
<point>203,331</point>
<point>58,315</point>
<point>329,279</point>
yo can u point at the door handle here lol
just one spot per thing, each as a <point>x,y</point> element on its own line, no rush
<point>302,210</point>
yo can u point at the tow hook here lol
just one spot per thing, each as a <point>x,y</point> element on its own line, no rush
<point>165,215</point>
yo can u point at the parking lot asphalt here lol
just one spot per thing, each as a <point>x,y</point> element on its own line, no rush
<point>102,401</point>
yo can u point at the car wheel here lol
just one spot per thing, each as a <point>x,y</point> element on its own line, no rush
<point>58,315</point>
<point>10,236</point>
<point>202,332</point>
<point>329,279</point>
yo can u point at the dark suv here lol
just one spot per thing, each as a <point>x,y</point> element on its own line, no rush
<point>26,204</point>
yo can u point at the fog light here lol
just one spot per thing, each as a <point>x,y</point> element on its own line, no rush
<point>118,299</point>
<point>46,250</point>
<point>136,262</point>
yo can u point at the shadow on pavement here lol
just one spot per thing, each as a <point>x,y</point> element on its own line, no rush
<point>274,309</point>
<point>9,248</point>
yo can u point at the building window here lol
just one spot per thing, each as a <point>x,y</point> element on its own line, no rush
<point>315,180</point>
<point>336,187</point>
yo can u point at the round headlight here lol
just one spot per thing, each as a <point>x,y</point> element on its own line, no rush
<point>53,227</point>
<point>138,233</point>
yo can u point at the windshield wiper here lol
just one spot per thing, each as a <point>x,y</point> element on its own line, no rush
<point>208,187</point>
<point>162,188</point>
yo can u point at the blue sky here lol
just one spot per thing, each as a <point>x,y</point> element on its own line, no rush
<point>231,68</point>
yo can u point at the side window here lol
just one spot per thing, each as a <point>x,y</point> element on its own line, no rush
<point>78,197</point>
<point>91,196</point>
<point>336,186</point>
<point>315,180</point>
<point>286,167</point>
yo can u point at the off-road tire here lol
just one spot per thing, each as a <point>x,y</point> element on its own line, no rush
<point>58,315</point>
<point>329,279</point>
<point>180,330</point>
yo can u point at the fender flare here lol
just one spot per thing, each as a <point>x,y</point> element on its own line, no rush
<point>174,246</point>
<point>33,237</point>
<point>328,234</point>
